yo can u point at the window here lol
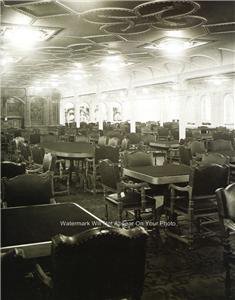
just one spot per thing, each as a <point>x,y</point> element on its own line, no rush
<point>84,113</point>
<point>205,109</point>
<point>229,110</point>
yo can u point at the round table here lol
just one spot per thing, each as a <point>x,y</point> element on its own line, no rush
<point>70,150</point>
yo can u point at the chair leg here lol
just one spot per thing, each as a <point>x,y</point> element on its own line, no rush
<point>227,281</point>
<point>191,217</point>
<point>227,253</point>
<point>94,184</point>
<point>106,212</point>
<point>120,215</point>
<point>68,186</point>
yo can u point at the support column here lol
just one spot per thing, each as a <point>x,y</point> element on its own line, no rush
<point>161,105</point>
<point>62,113</point>
<point>133,114</point>
<point>181,95</point>
<point>77,113</point>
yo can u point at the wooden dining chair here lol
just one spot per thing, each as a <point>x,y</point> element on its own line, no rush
<point>92,170</point>
<point>28,189</point>
<point>114,142</point>
<point>60,175</point>
<point>214,158</point>
<point>123,195</point>
<point>137,159</point>
<point>195,204</point>
<point>185,155</point>
<point>197,149</point>
<point>226,207</point>
<point>103,140</point>
<point>37,154</point>
<point>100,263</point>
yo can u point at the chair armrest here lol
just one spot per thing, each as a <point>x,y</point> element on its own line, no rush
<point>35,171</point>
<point>43,277</point>
<point>179,188</point>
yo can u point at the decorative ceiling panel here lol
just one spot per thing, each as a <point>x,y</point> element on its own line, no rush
<point>41,9</point>
<point>86,33</point>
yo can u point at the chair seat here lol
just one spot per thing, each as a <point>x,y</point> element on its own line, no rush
<point>129,200</point>
<point>200,205</point>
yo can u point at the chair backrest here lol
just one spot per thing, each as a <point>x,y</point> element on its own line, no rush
<point>27,189</point>
<point>81,138</point>
<point>185,155</point>
<point>37,154</point>
<point>102,141</point>
<point>221,135</point>
<point>197,147</point>
<point>10,169</point>
<point>214,158</point>
<point>220,145</point>
<point>49,138</point>
<point>226,201</point>
<point>109,173</point>
<point>175,134</point>
<point>125,143</point>
<point>148,138</point>
<point>49,162</point>
<point>206,179</point>
<point>163,132</point>
<point>111,153</point>
<point>99,153</point>
<point>114,142</point>
<point>34,138</point>
<point>25,151</point>
<point>137,159</point>
<point>18,140</point>
<point>134,138</point>
<point>100,263</point>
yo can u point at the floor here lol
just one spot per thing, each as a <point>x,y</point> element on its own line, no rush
<point>173,272</point>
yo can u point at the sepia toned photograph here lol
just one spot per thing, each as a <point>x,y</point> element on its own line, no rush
<point>117,149</point>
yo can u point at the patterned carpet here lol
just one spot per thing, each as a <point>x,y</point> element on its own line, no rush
<point>172,271</point>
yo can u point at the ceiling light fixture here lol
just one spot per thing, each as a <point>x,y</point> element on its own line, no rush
<point>113,63</point>
<point>174,33</point>
<point>25,36</point>
<point>7,60</point>
<point>174,46</point>
<point>78,65</point>
<point>217,80</point>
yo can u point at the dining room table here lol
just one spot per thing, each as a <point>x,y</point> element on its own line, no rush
<point>31,228</point>
<point>159,175</point>
<point>71,151</point>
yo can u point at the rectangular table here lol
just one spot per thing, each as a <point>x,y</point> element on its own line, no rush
<point>158,175</point>
<point>31,227</point>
